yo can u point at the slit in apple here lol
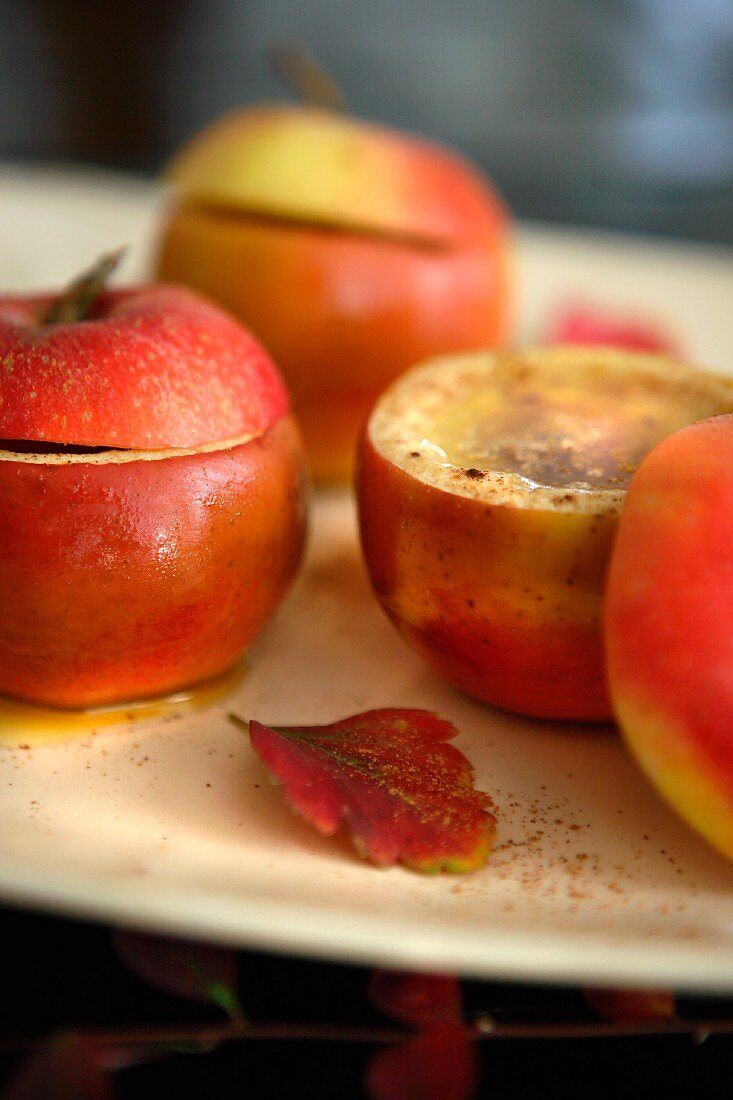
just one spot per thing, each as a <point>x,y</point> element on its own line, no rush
<point>47,452</point>
<point>291,223</point>
<point>49,447</point>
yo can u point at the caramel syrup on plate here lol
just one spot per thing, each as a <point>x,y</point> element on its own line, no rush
<point>29,725</point>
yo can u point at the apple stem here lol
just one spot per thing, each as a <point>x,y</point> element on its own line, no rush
<point>298,69</point>
<point>75,303</point>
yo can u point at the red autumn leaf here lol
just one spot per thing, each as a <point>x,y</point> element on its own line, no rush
<point>588,325</point>
<point>67,1069</point>
<point>416,999</point>
<point>195,971</point>
<point>404,794</point>
<point>438,1064</point>
<point>629,1005</point>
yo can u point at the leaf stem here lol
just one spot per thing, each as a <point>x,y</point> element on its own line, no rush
<point>483,1028</point>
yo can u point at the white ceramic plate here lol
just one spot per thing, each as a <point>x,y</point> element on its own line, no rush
<point>174,826</point>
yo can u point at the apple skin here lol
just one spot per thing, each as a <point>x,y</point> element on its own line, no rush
<point>125,580</point>
<point>149,567</point>
<point>504,603</point>
<point>669,624</point>
<point>362,252</point>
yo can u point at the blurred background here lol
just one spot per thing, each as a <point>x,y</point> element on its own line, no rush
<point>613,113</point>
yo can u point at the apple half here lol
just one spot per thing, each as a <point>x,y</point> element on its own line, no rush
<point>490,487</point>
<point>352,251</point>
<point>151,496</point>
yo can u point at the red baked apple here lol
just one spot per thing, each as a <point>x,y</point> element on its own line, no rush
<point>669,624</point>
<point>490,488</point>
<point>351,250</point>
<point>151,495</point>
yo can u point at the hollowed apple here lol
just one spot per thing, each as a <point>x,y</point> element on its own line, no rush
<point>350,250</point>
<point>151,496</point>
<point>489,493</point>
<point>669,624</point>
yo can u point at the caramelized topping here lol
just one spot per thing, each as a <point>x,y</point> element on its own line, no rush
<point>561,427</point>
<point>583,429</point>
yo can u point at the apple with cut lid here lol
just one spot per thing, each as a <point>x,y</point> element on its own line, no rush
<point>490,488</point>
<point>151,494</point>
<point>669,624</point>
<point>351,250</point>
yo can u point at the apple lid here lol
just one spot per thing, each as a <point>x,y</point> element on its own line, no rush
<point>153,367</point>
<point>312,165</point>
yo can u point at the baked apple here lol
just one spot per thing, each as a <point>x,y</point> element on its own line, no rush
<point>151,495</point>
<point>669,624</point>
<point>490,487</point>
<point>350,250</point>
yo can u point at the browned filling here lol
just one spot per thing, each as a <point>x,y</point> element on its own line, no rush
<point>585,429</point>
